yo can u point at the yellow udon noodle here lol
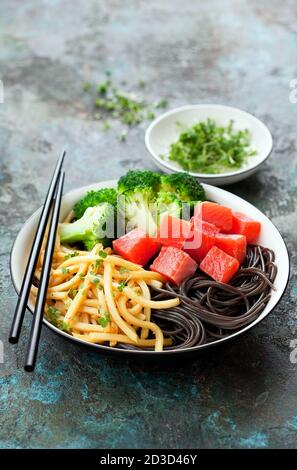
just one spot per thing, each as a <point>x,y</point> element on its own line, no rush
<point>103,299</point>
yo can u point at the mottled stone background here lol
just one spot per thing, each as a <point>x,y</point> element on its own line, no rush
<point>241,53</point>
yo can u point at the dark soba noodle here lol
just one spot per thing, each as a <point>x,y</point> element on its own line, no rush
<point>210,310</point>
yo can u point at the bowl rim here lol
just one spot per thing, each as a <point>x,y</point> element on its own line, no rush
<point>129,352</point>
<point>209,176</point>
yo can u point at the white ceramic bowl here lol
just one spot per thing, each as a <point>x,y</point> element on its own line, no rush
<point>270,237</point>
<point>164,130</point>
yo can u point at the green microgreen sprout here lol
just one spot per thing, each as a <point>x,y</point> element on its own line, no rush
<point>106,126</point>
<point>98,263</point>
<point>64,270</point>
<point>72,293</point>
<point>121,286</point>
<point>71,255</point>
<point>86,86</point>
<point>123,270</point>
<point>104,319</point>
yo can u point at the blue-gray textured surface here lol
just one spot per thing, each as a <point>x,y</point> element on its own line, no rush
<point>241,53</point>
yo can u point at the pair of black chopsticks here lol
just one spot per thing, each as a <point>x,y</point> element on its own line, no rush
<point>51,208</point>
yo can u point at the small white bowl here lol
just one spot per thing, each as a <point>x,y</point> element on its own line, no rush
<point>164,130</point>
<point>270,238</point>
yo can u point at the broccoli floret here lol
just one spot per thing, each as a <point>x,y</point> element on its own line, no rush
<point>138,208</point>
<point>94,198</point>
<point>137,178</point>
<point>139,190</point>
<point>184,185</point>
<point>168,203</point>
<point>95,226</point>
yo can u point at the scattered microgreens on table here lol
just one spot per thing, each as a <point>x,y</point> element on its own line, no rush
<point>112,103</point>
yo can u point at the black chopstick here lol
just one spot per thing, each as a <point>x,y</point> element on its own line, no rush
<point>44,279</point>
<point>21,306</point>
